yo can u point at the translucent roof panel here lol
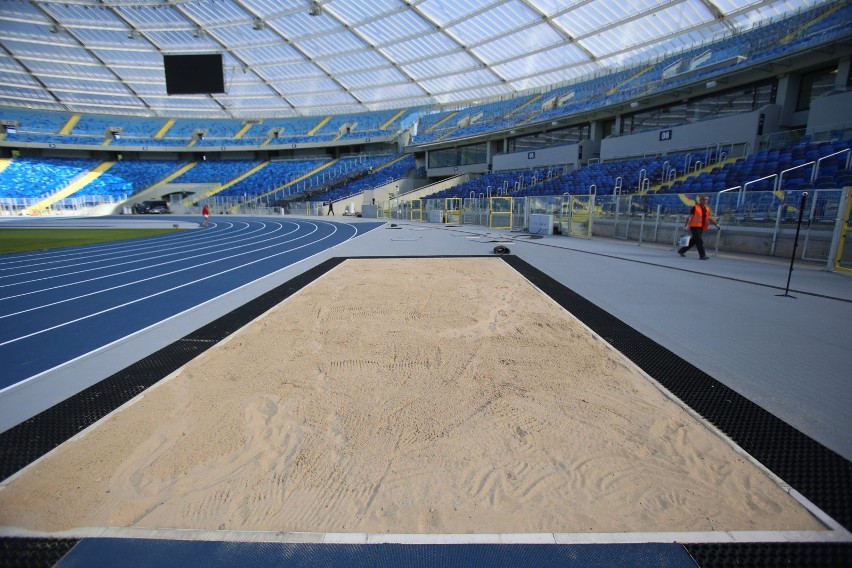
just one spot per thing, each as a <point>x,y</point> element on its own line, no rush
<point>318,57</point>
<point>491,24</point>
<point>394,28</point>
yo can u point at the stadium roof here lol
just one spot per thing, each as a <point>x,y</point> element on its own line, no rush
<point>286,58</point>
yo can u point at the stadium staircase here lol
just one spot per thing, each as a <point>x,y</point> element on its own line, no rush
<point>706,169</point>
<point>235,208</point>
<point>795,34</point>
<point>244,129</point>
<point>442,121</point>
<point>195,198</point>
<point>79,183</point>
<point>161,133</point>
<point>392,119</point>
<point>69,126</point>
<point>633,77</point>
<point>316,128</point>
<point>521,107</point>
<point>392,162</point>
<point>179,172</point>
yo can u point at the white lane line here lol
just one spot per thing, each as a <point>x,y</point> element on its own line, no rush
<point>177,315</point>
<point>160,293</point>
<point>62,254</point>
<point>111,288</point>
<point>196,254</point>
<point>116,250</point>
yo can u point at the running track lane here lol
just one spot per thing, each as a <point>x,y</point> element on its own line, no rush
<point>60,304</point>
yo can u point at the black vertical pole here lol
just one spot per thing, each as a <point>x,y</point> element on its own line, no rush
<point>795,243</point>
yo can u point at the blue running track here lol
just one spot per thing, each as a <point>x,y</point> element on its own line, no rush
<point>58,305</point>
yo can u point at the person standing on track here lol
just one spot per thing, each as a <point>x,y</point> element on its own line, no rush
<point>699,220</point>
<point>205,212</point>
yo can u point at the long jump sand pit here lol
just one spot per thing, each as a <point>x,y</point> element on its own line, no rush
<point>435,395</point>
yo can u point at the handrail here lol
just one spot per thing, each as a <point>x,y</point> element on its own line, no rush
<point>716,208</point>
<point>781,175</point>
<point>848,162</point>
<point>746,184</point>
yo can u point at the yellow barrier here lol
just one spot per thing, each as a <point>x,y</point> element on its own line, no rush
<point>500,213</point>
<point>843,232</point>
<point>576,219</point>
<point>452,211</point>
<point>416,210</point>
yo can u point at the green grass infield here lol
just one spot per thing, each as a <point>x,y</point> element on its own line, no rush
<point>22,240</point>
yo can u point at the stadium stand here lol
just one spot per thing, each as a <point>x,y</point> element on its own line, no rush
<point>370,173</point>
<point>663,175</point>
<point>128,177</point>
<point>38,177</point>
<point>276,176</point>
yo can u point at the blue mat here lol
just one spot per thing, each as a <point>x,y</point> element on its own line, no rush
<point>128,553</point>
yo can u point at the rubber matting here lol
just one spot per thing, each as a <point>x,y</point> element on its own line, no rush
<point>818,473</point>
<point>95,553</point>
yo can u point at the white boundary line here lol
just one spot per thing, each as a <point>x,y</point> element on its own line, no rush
<point>720,537</point>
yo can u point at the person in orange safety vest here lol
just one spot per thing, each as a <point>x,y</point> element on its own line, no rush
<point>700,218</point>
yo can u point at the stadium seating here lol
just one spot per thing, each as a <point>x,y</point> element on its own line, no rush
<point>367,174</point>
<point>276,175</point>
<point>39,177</point>
<point>128,177</point>
<point>31,177</point>
<point>216,171</point>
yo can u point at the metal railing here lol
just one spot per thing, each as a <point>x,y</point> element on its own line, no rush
<point>753,222</point>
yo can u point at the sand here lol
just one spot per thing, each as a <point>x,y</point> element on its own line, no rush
<point>407,396</point>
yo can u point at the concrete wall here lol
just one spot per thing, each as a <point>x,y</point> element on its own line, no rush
<point>570,154</point>
<point>739,129</point>
<point>457,170</point>
<point>830,112</point>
